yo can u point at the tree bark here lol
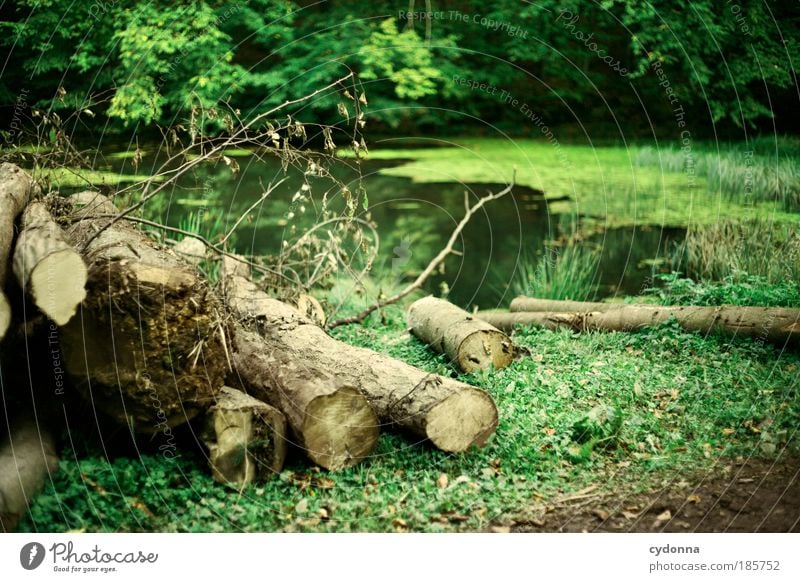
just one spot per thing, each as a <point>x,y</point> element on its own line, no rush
<point>27,458</point>
<point>468,342</point>
<point>48,268</point>
<point>556,306</point>
<point>246,439</point>
<point>311,308</point>
<point>332,421</point>
<point>451,414</point>
<point>775,324</point>
<point>16,189</point>
<point>147,346</point>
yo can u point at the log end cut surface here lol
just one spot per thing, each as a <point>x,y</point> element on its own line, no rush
<point>462,420</point>
<point>58,284</point>
<point>485,348</point>
<point>340,429</point>
<point>246,439</point>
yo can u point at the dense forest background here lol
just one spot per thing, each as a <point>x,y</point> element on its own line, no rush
<point>450,66</point>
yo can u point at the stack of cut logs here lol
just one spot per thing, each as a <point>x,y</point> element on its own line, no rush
<point>150,343</point>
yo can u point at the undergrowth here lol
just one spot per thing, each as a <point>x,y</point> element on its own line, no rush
<point>737,289</point>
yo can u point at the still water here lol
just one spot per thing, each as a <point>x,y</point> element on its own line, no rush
<point>414,221</point>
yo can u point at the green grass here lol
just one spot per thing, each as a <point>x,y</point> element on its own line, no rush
<point>763,170</point>
<point>559,273</point>
<point>736,289</point>
<point>758,247</point>
<point>82,178</point>
<point>609,186</point>
<point>624,412</point>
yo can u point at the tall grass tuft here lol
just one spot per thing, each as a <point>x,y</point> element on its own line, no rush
<point>761,170</point>
<point>570,273</point>
<point>758,247</point>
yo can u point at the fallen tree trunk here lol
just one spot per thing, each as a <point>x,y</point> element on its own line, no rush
<point>331,419</point>
<point>147,346</point>
<point>27,458</point>
<point>556,306</point>
<point>48,268</point>
<point>246,439</point>
<point>451,414</point>
<point>16,188</point>
<point>776,324</point>
<point>470,343</point>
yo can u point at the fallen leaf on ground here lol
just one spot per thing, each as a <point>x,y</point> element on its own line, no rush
<point>662,517</point>
<point>601,514</point>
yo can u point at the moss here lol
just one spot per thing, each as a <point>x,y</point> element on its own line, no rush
<point>603,185</point>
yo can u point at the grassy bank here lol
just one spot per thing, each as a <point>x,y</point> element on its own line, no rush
<point>621,412</point>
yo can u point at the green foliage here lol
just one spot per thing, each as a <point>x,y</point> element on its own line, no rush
<point>736,289</point>
<point>156,59</point>
<point>401,58</point>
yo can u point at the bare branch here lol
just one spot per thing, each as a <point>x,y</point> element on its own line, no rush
<point>235,138</point>
<point>432,266</point>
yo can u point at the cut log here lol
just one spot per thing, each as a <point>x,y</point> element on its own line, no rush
<point>16,189</point>
<point>246,439</point>
<point>470,343</point>
<point>556,306</point>
<point>775,324</point>
<point>48,268</point>
<point>27,458</point>
<point>232,265</point>
<point>332,421</point>
<point>452,415</point>
<point>191,250</point>
<point>147,346</point>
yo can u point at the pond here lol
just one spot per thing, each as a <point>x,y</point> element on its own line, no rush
<point>414,220</point>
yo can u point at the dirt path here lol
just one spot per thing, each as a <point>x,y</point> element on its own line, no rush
<point>751,496</point>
